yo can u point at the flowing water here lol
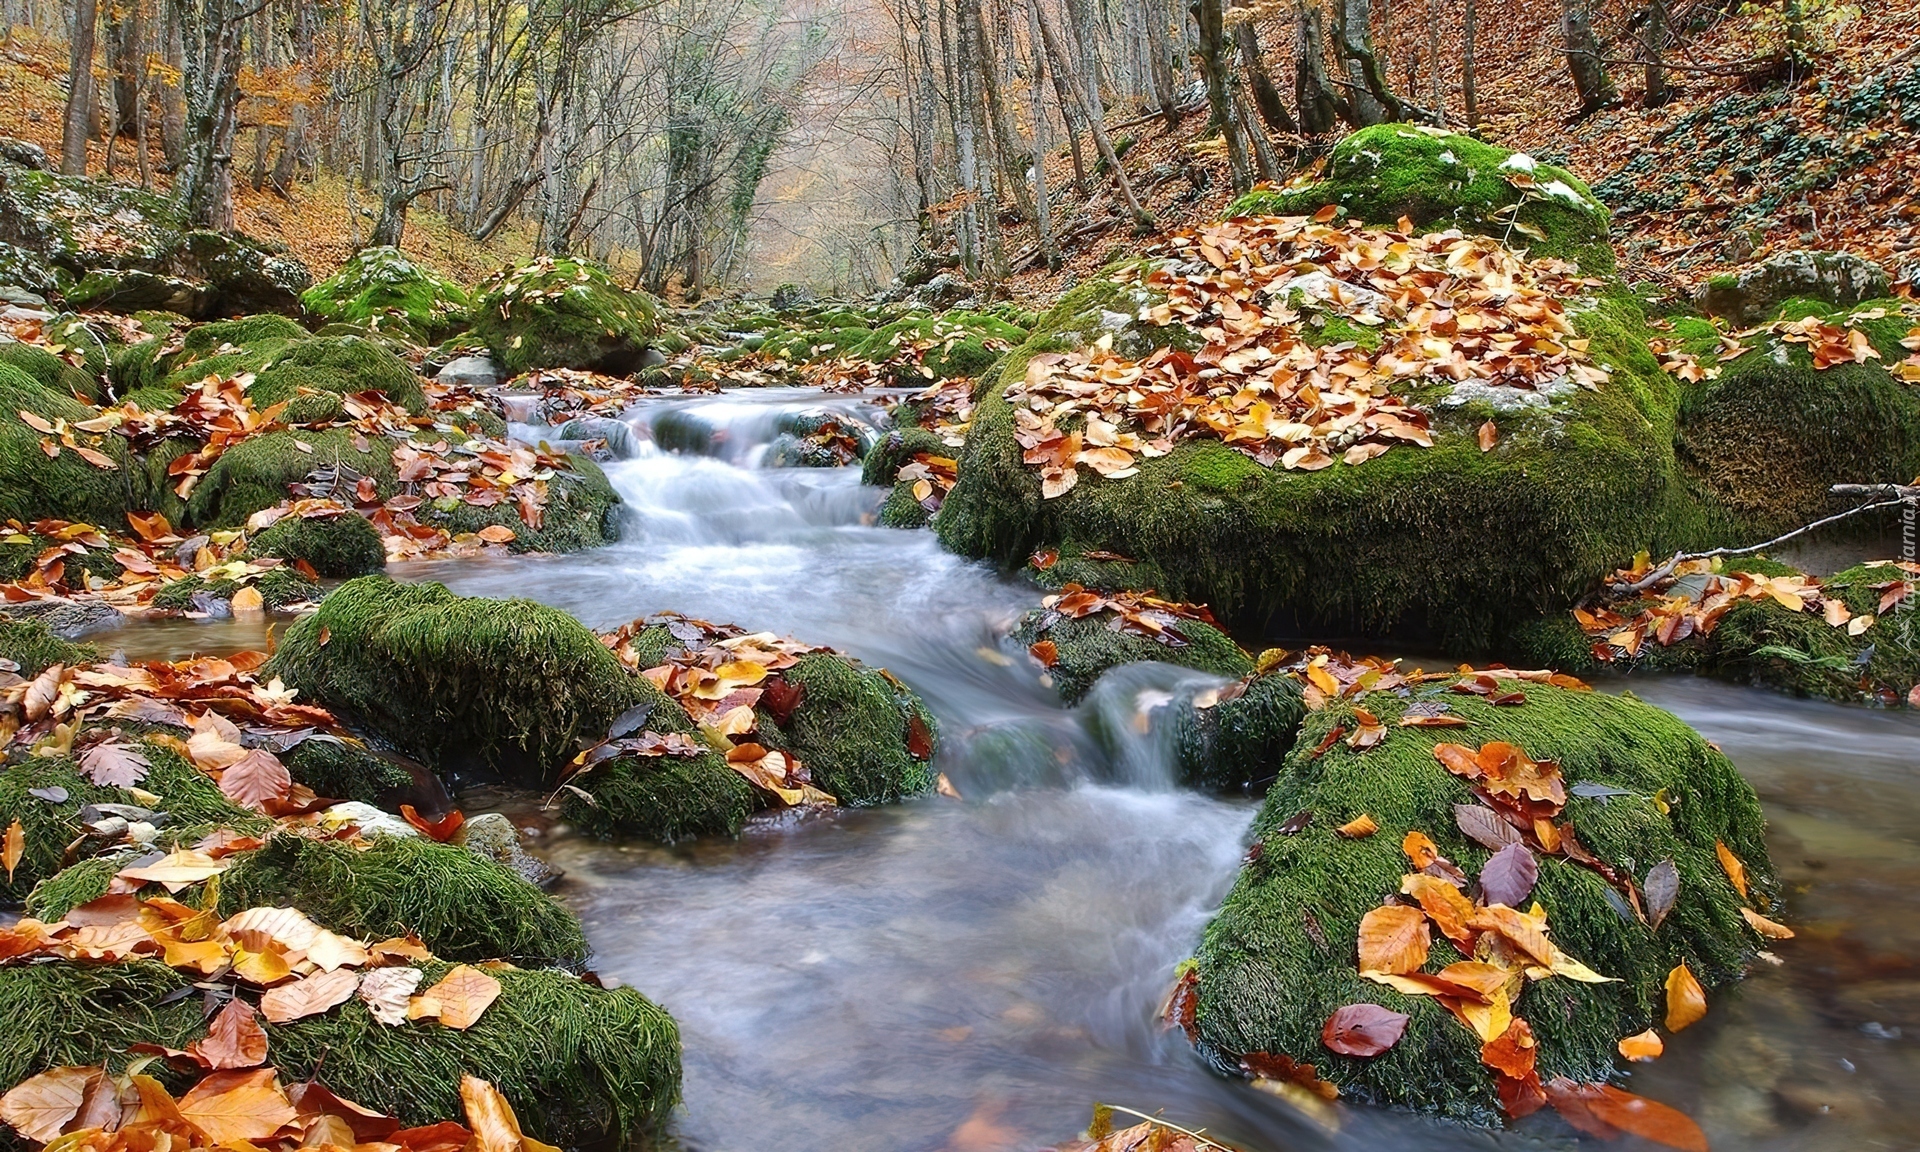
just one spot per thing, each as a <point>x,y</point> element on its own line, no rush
<point>973,975</point>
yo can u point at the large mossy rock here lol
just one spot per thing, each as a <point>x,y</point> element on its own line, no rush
<point>1441,179</point>
<point>1754,294</point>
<point>466,686</point>
<point>1767,438</point>
<point>580,1064</point>
<point>1448,541</point>
<point>562,313</point>
<point>388,291</point>
<point>338,547</point>
<point>85,226</point>
<point>259,472</point>
<point>52,371</point>
<point>1281,956</point>
<point>65,487</point>
<point>1764,643</point>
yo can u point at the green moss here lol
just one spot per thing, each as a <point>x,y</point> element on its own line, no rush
<point>1087,647</point>
<point>19,558</point>
<point>896,449</point>
<point>278,587</point>
<point>581,512</point>
<point>851,731</point>
<point>383,288</point>
<point>1240,743</point>
<point>1420,541</point>
<point>65,487</point>
<point>1768,438</point>
<point>581,1065</point>
<point>661,798</point>
<point>52,372</point>
<point>964,344</point>
<point>1280,957</point>
<point>337,546</point>
<point>561,313</point>
<point>29,644</point>
<point>346,769</point>
<point>902,510</point>
<point>1445,180</point>
<point>338,364</point>
<point>463,685</point>
<point>260,471</point>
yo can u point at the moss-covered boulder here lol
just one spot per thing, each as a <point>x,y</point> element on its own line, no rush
<point>580,1064</point>
<point>855,730</point>
<point>66,486</point>
<point>136,290</point>
<point>280,589</point>
<point>260,472</point>
<point>1767,438</point>
<point>1451,540</point>
<point>27,271</point>
<point>922,348</point>
<point>1079,650</point>
<point>1761,641</point>
<point>341,365</point>
<point>562,313</point>
<point>466,686</point>
<point>388,291</point>
<point>1238,739</point>
<point>337,547</point>
<point>1281,955</point>
<point>582,510</point>
<point>54,372</point>
<point>1440,179</point>
<point>32,647</point>
<point>1755,293</point>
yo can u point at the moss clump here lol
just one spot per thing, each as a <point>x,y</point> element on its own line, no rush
<point>1445,180</point>
<point>342,769</point>
<point>661,798</point>
<point>52,372</point>
<point>278,587</point>
<point>581,1065</point>
<point>581,512</point>
<point>1418,540</point>
<point>260,471</point>
<point>1280,957</point>
<point>1087,647</point>
<point>962,344</point>
<point>494,687</point>
<point>32,646</point>
<point>1768,437</point>
<point>336,546</point>
<point>1240,743</point>
<point>384,289</point>
<point>851,730</point>
<point>1763,643</point>
<point>65,487</point>
<point>902,510</point>
<point>561,313</point>
<point>896,449</point>
<point>341,365</point>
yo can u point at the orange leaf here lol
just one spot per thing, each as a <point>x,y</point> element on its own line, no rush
<point>40,1107</point>
<point>1686,1000</point>
<point>462,996</point>
<point>497,534</point>
<point>1419,849</point>
<point>1045,651</point>
<point>1519,929</point>
<point>233,1040</point>
<point>1647,1119</point>
<point>1444,902</point>
<point>441,830</point>
<point>1489,435</point>
<point>234,1106</point>
<point>1358,828</point>
<point>14,847</point>
<point>1458,760</point>
<point>309,997</point>
<point>1736,871</point>
<point>1766,927</point>
<point>1646,1046</point>
<point>495,1128</point>
<point>1513,1052</point>
<point>1393,938</point>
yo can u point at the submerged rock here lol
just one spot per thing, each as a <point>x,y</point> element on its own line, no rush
<point>1642,789</point>
<point>493,836</point>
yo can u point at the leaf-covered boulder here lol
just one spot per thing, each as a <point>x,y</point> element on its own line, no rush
<point>1520,497</point>
<point>466,686</point>
<point>1439,179</point>
<point>387,291</point>
<point>563,313</point>
<point>581,1065</point>
<point>1077,649</point>
<point>1640,787</point>
<point>45,478</point>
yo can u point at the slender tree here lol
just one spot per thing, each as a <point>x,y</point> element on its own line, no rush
<point>77,121</point>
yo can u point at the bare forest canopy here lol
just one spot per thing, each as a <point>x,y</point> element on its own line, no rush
<point>701,145</point>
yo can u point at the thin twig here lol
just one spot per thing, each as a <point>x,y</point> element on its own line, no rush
<point>1164,1124</point>
<point>1661,573</point>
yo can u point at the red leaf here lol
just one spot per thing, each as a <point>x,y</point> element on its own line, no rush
<point>1521,1097</point>
<point>440,830</point>
<point>255,780</point>
<point>1603,1110</point>
<point>781,697</point>
<point>1363,1030</point>
<point>919,737</point>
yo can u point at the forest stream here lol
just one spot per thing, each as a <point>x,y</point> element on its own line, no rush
<point>975,974</point>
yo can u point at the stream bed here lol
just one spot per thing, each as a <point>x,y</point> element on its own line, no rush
<point>974,974</point>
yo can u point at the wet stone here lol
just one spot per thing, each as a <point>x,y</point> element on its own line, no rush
<point>493,836</point>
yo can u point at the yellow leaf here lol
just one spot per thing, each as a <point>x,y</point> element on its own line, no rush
<point>1766,927</point>
<point>1393,938</point>
<point>491,1119</point>
<point>1358,828</point>
<point>1686,1000</point>
<point>248,599</point>
<point>1644,1047</point>
<point>463,996</point>
<point>236,1106</point>
<point>15,847</point>
<point>177,869</point>
<point>1735,870</point>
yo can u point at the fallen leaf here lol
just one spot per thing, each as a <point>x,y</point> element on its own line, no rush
<point>233,1040</point>
<point>1488,435</point>
<point>387,991</point>
<point>919,737</point>
<point>255,780</point>
<point>1662,887</point>
<point>40,1107</point>
<point>462,996</point>
<point>1735,870</point>
<point>1686,1000</point>
<point>495,1128</point>
<point>175,870</point>
<point>1363,1030</point>
<point>440,830</point>
<point>317,993</point>
<point>1766,927</point>
<point>1625,1112</point>
<point>1484,826</point>
<point>14,847</point>
<point>497,534</point>
<point>1643,1047</point>
<point>1420,849</point>
<point>112,764</point>
<point>1508,876</point>
<point>1358,828</point>
<point>247,600</point>
<point>1281,1068</point>
<point>1512,1053</point>
<point>1393,938</point>
<point>238,1105</point>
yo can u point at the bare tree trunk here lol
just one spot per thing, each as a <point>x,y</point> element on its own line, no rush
<point>1433,53</point>
<point>1590,80</point>
<point>210,86</point>
<point>1065,92</point>
<point>126,29</point>
<point>1143,220</point>
<point>1042,210</point>
<point>1469,94</point>
<point>1266,94</point>
<point>1006,143</point>
<point>1159,70</point>
<point>1321,106</point>
<point>1654,41</point>
<point>76,124</point>
<point>1210,16</point>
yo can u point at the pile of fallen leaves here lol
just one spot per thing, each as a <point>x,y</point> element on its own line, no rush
<point>932,478</point>
<point>232,727</point>
<point>720,674</point>
<point>1828,345</point>
<point>945,408</point>
<point>1151,1134</point>
<point>1445,307</point>
<point>153,557</point>
<point>1689,599</point>
<point>1133,613</point>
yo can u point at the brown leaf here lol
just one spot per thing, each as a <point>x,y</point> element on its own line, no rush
<point>1183,1002</point>
<point>1393,938</point>
<point>1662,888</point>
<point>1358,828</point>
<point>1686,1000</point>
<point>318,993</point>
<point>238,1105</point>
<point>1489,434</point>
<point>497,534</point>
<point>446,1136</point>
<point>919,737</point>
<point>233,1040</point>
<point>1647,1119</point>
<point>1483,826</point>
<point>1045,651</point>
<point>111,764</point>
<point>40,1107</point>
<point>256,780</point>
<point>495,1128</point>
<point>1508,876</point>
<point>311,1099</point>
<point>1363,1030</point>
<point>1281,1067</point>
